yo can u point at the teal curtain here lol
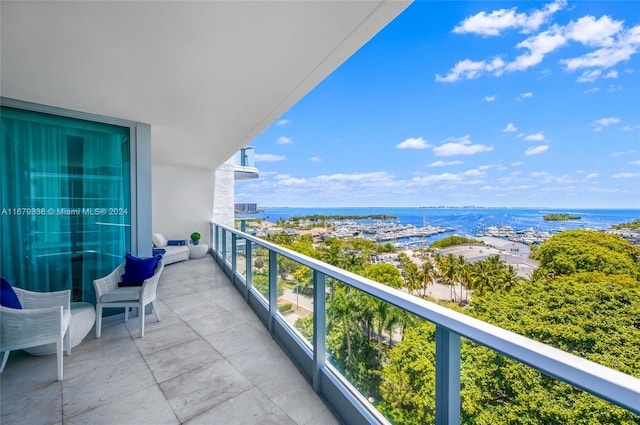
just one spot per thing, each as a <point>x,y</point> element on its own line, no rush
<point>64,200</point>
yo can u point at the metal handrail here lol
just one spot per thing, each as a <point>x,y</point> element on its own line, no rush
<point>606,383</point>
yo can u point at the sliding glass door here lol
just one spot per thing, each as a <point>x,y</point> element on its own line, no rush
<point>65,201</point>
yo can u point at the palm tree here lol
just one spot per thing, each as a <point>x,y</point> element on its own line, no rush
<point>343,313</point>
<point>353,263</point>
<point>428,274</point>
<point>466,279</point>
<point>482,277</point>
<point>333,255</point>
<point>412,277</point>
<point>510,279</point>
<point>449,271</point>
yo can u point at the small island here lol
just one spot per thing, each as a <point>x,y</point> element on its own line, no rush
<point>561,217</point>
<point>633,225</point>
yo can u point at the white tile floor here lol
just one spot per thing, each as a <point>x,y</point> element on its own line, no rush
<point>209,361</point>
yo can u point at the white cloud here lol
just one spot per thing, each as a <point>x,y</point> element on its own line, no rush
<point>537,150</point>
<point>282,140</point>
<point>355,177</point>
<point>537,137</point>
<point>517,163</point>
<point>444,163</point>
<point>625,175</point>
<point>488,24</point>
<point>603,122</point>
<point>591,176</point>
<point>282,122</point>
<point>613,88</point>
<point>607,121</point>
<point>315,159</point>
<point>593,32</point>
<point>413,143</point>
<point>468,70</point>
<point>612,52</point>
<point>592,90</point>
<point>611,74</point>
<point>510,128</point>
<point>460,146</point>
<point>589,76</point>
<point>622,153</point>
<point>634,162</point>
<point>630,127</point>
<point>539,174</point>
<point>287,180</point>
<point>490,98</point>
<point>613,43</point>
<point>527,95</point>
<point>267,157</point>
<point>538,45</point>
<point>474,173</point>
<point>434,178</point>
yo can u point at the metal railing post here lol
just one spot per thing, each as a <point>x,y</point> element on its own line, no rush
<point>234,249</point>
<point>217,240</point>
<point>224,248</point>
<point>211,239</point>
<point>273,288</point>
<point>249,268</point>
<point>319,326</point>
<point>447,377</point>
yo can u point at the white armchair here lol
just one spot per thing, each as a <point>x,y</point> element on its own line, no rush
<point>109,294</point>
<point>43,319</point>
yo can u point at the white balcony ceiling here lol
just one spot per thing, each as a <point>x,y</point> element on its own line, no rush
<point>207,75</point>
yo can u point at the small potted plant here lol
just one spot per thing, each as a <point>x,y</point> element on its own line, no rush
<point>195,238</point>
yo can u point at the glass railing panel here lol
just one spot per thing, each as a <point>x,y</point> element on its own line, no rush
<point>407,372</point>
<point>362,334</point>
<point>218,235</point>
<point>498,389</point>
<point>295,296</point>
<point>241,257</point>
<point>260,270</point>
<point>229,251</point>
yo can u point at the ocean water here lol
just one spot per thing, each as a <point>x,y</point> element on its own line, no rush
<point>469,221</point>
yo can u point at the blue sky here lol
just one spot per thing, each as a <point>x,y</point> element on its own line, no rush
<point>514,104</point>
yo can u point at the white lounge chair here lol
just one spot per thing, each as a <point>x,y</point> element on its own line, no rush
<point>109,294</point>
<point>43,319</point>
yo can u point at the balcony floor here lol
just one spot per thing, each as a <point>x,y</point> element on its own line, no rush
<point>209,361</point>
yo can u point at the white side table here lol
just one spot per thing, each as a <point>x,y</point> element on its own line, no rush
<point>198,251</point>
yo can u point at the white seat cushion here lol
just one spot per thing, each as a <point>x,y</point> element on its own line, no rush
<point>159,241</point>
<point>126,293</point>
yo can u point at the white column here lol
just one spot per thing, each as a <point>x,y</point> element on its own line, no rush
<point>224,194</point>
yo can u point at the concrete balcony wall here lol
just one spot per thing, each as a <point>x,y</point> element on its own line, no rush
<point>182,200</point>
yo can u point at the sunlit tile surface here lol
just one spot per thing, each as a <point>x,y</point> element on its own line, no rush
<point>209,361</point>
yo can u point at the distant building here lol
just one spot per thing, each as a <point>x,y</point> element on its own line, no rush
<point>246,207</point>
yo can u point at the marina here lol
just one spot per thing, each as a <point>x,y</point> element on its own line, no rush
<point>415,227</point>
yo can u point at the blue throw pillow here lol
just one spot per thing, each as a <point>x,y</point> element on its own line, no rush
<point>159,251</point>
<point>176,242</point>
<point>8,297</point>
<point>137,269</point>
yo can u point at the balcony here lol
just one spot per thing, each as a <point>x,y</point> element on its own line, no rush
<point>208,361</point>
<point>218,355</point>
<point>244,166</point>
<point>261,285</point>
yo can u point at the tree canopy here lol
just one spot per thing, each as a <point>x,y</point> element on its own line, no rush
<point>576,251</point>
<point>588,314</point>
